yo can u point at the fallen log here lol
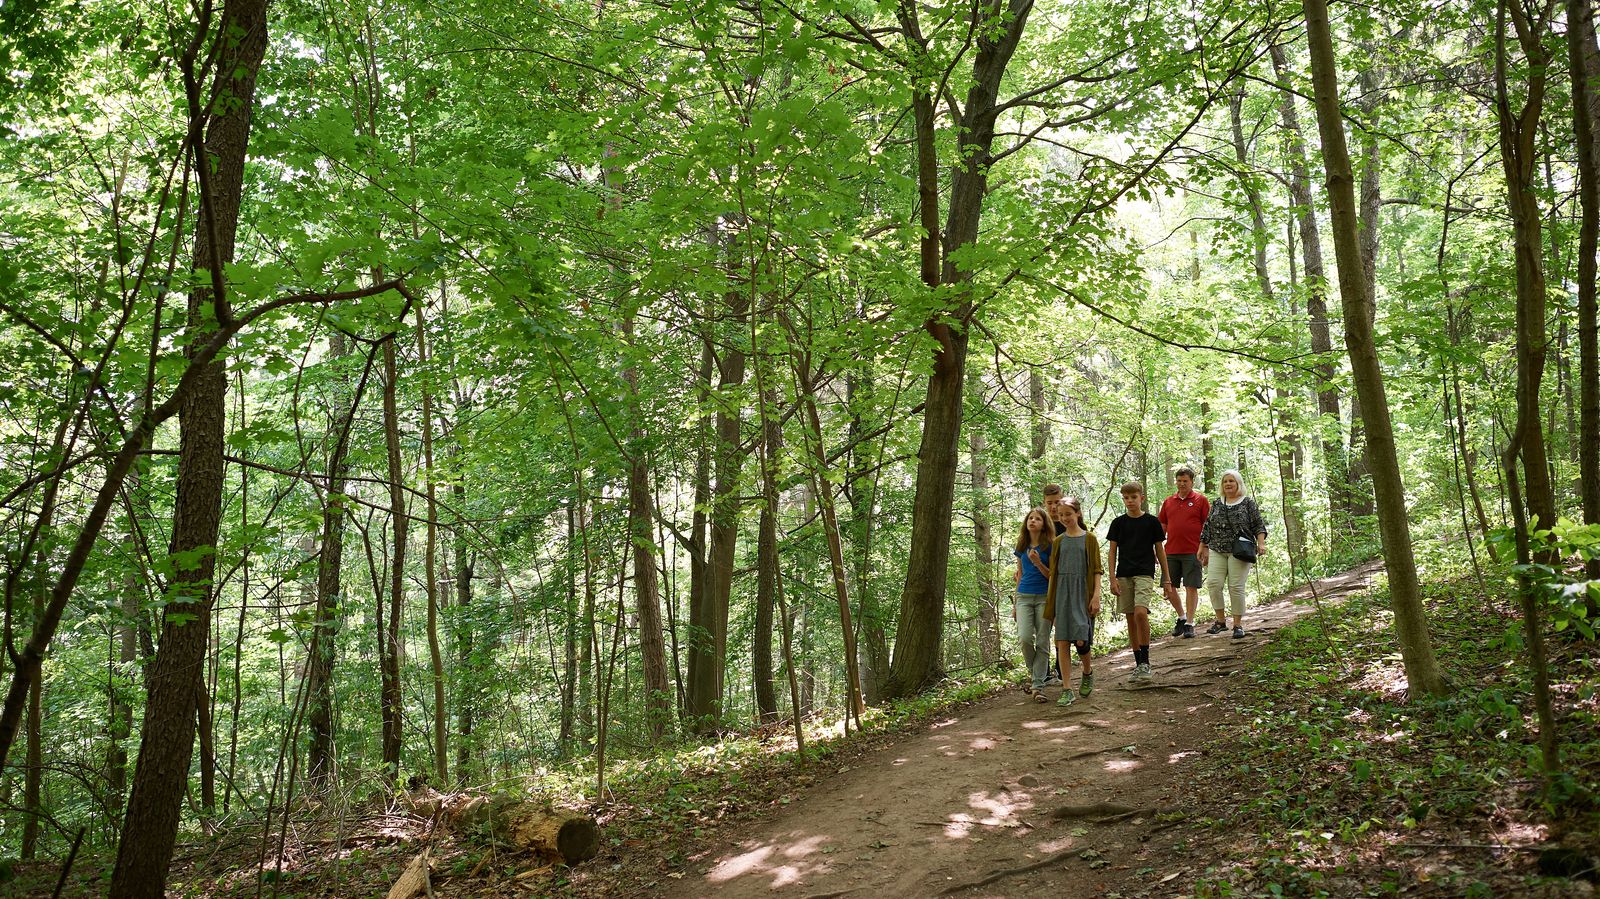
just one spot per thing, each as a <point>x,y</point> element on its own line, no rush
<point>414,880</point>
<point>570,836</point>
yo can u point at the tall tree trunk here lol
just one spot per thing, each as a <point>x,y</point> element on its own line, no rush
<point>441,751</point>
<point>917,661</point>
<point>988,598</point>
<point>569,681</point>
<point>862,491</point>
<point>767,573</point>
<point>1288,474</point>
<point>327,616</point>
<point>1583,55</point>
<point>700,589</point>
<point>1518,134</point>
<point>33,773</point>
<point>1411,623</point>
<point>646,587</point>
<point>120,725</point>
<point>178,672</point>
<point>1330,425</point>
<point>391,705</point>
<point>469,685</point>
<point>830,528</point>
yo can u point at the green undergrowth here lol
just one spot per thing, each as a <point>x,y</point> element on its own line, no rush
<point>1331,781</point>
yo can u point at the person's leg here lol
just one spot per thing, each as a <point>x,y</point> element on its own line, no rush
<point>1238,583</point>
<point>1064,651</point>
<point>1041,645</point>
<point>1088,671</point>
<point>1025,635</point>
<point>1216,580</point>
<point>1192,600</point>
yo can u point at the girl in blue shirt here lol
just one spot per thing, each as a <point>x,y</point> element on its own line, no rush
<point>1033,582</point>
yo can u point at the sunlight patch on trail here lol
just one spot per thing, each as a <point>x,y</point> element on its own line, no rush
<point>785,864</point>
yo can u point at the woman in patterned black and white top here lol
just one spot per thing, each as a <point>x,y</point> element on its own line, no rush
<point>1233,515</point>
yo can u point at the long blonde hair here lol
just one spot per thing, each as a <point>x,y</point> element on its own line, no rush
<point>1045,533</point>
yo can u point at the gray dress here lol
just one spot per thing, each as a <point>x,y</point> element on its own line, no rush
<point>1073,623</point>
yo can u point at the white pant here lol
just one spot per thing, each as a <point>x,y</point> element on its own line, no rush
<point>1224,569</point>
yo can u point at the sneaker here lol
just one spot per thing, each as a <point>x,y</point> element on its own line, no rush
<point>1216,627</point>
<point>1141,672</point>
<point>1086,687</point>
<point>1238,633</point>
<point>1177,629</point>
<point>1146,667</point>
<point>1067,698</point>
<point>1052,681</point>
<point>1188,632</point>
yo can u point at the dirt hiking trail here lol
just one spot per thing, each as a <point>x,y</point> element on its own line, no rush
<point>973,804</point>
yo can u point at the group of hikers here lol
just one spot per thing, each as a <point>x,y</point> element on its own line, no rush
<point>1190,539</point>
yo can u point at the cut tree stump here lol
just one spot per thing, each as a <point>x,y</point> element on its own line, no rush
<point>561,833</point>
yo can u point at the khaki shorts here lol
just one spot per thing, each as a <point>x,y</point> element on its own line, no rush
<point>1134,591</point>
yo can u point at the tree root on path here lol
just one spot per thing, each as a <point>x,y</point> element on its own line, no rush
<point>1092,752</point>
<point>1003,873</point>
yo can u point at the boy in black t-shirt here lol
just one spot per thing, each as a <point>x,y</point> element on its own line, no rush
<point>1138,544</point>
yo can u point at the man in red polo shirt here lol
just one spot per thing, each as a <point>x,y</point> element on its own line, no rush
<point>1183,514</point>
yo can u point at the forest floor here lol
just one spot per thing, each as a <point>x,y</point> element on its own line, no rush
<point>1289,763</point>
<point>1012,796</point>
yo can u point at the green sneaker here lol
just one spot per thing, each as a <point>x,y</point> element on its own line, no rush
<point>1088,685</point>
<point>1067,698</point>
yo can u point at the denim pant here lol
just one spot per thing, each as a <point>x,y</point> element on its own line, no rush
<point>1034,636</point>
<point>1223,570</point>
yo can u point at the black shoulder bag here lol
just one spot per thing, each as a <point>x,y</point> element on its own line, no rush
<point>1244,547</point>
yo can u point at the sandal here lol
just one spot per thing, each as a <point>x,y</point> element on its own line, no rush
<point>1039,696</point>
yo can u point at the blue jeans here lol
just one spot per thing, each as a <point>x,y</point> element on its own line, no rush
<point>1034,636</point>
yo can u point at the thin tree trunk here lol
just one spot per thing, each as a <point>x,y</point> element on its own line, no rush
<point>468,682</point>
<point>391,705</point>
<point>988,601</point>
<point>767,573</point>
<point>441,751</point>
<point>1288,463</point>
<point>1518,132</point>
<point>320,762</point>
<point>1330,426</point>
<point>646,587</point>
<point>830,529</point>
<point>1411,623</point>
<point>1583,55</point>
<point>569,682</point>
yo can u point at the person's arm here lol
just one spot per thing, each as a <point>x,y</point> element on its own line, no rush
<point>1261,528</point>
<point>1111,565</point>
<point>1203,555</point>
<point>1050,588</point>
<point>1161,557</point>
<point>1095,574</point>
<point>1033,556</point>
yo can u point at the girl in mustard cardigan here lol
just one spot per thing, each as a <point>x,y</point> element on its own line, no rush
<point>1072,600</point>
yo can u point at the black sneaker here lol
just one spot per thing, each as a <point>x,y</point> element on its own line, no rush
<point>1216,627</point>
<point>1238,633</point>
<point>1177,629</point>
<point>1188,632</point>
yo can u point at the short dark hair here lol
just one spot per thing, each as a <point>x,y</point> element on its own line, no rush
<point>1184,471</point>
<point>1051,490</point>
<point>1133,487</point>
